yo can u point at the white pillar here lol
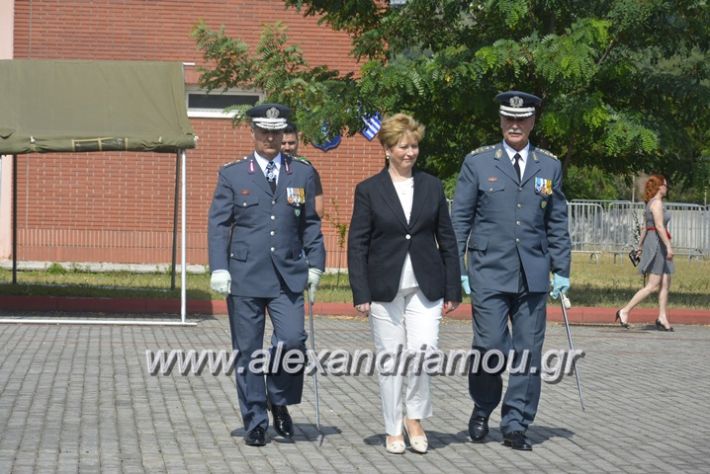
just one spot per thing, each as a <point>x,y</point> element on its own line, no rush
<point>7,44</point>
<point>7,28</point>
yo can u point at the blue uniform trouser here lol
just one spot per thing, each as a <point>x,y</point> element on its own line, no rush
<point>491,312</point>
<point>246,321</point>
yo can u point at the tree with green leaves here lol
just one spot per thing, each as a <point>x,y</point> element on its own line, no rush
<point>624,83</point>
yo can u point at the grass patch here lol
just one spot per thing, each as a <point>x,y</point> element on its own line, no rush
<point>604,284</point>
<point>609,284</point>
<point>74,282</point>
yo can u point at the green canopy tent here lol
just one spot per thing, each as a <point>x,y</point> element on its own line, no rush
<point>84,106</point>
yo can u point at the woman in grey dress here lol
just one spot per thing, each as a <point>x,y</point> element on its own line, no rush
<point>656,254</point>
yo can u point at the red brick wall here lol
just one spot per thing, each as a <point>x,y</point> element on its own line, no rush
<point>118,207</point>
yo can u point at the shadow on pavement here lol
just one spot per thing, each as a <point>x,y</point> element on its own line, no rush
<point>539,434</point>
<point>302,432</point>
<point>437,439</point>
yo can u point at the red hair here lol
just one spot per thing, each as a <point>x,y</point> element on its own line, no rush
<point>655,181</point>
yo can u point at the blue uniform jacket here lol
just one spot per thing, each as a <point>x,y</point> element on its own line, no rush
<point>504,223</point>
<point>256,233</point>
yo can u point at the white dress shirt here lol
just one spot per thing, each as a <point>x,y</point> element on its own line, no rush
<point>263,162</point>
<point>523,156</point>
<point>405,193</point>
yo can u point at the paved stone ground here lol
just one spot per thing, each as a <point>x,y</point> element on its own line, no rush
<point>80,399</point>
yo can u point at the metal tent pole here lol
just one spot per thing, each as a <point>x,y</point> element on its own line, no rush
<point>175,220</point>
<point>14,219</point>
<point>183,250</point>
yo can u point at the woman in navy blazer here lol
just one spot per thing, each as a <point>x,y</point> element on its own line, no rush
<point>403,266</point>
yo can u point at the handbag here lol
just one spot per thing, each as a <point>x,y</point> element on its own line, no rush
<point>635,257</point>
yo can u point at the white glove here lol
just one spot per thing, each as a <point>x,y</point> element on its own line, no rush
<point>465,285</point>
<point>560,285</point>
<point>314,279</point>
<point>221,281</point>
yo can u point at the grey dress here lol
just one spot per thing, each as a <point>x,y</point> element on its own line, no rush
<point>653,256</point>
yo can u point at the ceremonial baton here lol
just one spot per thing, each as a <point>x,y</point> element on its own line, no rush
<point>311,301</point>
<point>565,303</point>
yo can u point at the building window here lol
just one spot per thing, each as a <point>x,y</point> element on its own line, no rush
<point>200,104</point>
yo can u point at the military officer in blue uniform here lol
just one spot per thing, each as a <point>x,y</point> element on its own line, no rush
<point>265,246</point>
<point>510,214</point>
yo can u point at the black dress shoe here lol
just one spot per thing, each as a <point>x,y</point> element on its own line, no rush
<point>256,437</point>
<point>621,323</point>
<point>282,421</point>
<point>517,440</point>
<point>661,327</point>
<point>477,428</point>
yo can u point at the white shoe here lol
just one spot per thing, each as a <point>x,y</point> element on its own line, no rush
<point>419,444</point>
<point>395,447</point>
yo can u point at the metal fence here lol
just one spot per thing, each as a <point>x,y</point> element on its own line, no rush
<point>597,226</point>
<point>611,226</point>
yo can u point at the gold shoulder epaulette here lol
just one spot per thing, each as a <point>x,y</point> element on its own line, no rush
<point>235,162</point>
<point>480,150</point>
<point>302,160</point>
<point>545,152</point>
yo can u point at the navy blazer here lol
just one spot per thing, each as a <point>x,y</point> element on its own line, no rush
<point>506,223</point>
<point>259,235</point>
<point>380,237</point>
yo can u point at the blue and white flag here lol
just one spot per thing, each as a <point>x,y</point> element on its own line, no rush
<point>329,143</point>
<point>372,125</point>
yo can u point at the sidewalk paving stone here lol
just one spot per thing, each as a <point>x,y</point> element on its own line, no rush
<point>80,398</point>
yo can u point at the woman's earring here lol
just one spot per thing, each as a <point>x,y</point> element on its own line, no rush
<point>387,157</point>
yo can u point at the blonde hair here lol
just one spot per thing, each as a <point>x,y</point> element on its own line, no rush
<point>655,181</point>
<point>396,126</point>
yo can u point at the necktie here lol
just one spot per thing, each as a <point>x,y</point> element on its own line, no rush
<point>516,165</point>
<point>271,175</point>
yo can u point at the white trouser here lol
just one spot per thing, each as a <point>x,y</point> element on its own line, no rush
<point>409,321</point>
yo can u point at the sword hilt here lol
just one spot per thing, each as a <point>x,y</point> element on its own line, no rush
<point>565,301</point>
